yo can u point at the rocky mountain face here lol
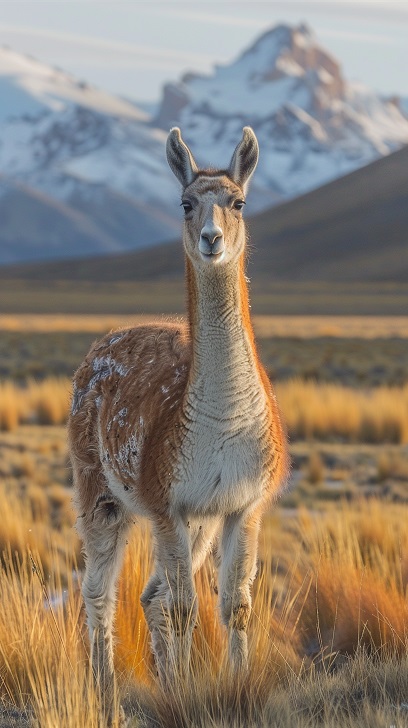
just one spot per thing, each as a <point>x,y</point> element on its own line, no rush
<point>83,172</point>
<point>312,125</point>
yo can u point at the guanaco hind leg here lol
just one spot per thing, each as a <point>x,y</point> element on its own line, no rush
<point>104,536</point>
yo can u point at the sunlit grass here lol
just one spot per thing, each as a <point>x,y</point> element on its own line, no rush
<point>45,402</point>
<point>307,347</point>
<point>310,409</point>
<point>265,325</point>
<point>329,606</point>
<point>327,411</point>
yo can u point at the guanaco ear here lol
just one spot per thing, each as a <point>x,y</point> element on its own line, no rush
<point>180,159</point>
<point>244,159</point>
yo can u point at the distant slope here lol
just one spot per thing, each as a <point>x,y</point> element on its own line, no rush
<point>96,164</point>
<point>353,229</point>
<point>110,222</point>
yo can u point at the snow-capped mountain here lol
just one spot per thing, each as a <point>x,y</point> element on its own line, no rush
<point>28,88</point>
<point>83,172</point>
<point>312,125</point>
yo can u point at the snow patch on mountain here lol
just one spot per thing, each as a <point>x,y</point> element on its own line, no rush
<point>78,156</point>
<point>28,88</point>
<point>312,125</point>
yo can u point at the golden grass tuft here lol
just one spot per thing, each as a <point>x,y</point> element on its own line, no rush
<point>132,653</point>
<point>330,411</point>
<point>359,561</point>
<point>10,404</point>
<point>340,588</point>
<point>49,400</point>
<point>391,465</point>
<point>26,521</point>
<point>315,468</point>
<point>46,402</point>
<point>310,409</point>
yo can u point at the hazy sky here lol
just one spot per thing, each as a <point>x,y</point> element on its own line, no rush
<point>132,48</point>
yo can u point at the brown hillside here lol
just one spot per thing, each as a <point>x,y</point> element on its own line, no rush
<point>353,229</point>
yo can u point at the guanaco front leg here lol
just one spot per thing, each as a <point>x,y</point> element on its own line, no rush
<point>169,601</point>
<point>239,547</point>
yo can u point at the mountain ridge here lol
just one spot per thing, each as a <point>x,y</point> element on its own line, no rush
<point>90,168</point>
<point>352,229</point>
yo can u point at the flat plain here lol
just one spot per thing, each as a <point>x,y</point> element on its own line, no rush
<point>329,631</point>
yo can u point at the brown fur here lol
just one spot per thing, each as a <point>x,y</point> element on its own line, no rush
<point>157,358</point>
<point>146,410</point>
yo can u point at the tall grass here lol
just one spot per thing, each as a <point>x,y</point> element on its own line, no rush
<point>328,634</point>
<point>28,520</point>
<point>359,561</point>
<point>328,411</point>
<point>45,402</point>
<point>310,409</point>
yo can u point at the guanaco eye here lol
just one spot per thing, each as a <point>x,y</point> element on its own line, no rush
<point>187,206</point>
<point>238,204</point>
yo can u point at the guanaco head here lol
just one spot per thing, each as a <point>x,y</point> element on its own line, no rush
<point>214,230</point>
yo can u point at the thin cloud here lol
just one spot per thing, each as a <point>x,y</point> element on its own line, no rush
<point>145,55</point>
<point>395,11</point>
<point>211,18</point>
<point>357,37</point>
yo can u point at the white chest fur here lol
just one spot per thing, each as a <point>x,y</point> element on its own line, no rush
<point>221,466</point>
<point>220,473</point>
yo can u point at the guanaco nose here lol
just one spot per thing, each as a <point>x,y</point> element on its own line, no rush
<point>211,240</point>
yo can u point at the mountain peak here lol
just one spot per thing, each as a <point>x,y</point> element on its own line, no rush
<point>30,88</point>
<point>283,36</point>
<point>292,53</point>
<point>309,118</point>
<point>88,169</point>
<point>284,65</point>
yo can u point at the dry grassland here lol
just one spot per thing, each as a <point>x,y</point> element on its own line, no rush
<point>329,631</point>
<point>330,623</point>
<point>45,402</point>
<point>310,409</point>
<point>41,347</point>
<point>167,295</point>
<point>331,411</point>
<point>305,327</point>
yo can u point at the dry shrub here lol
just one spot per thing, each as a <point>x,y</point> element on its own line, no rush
<point>345,590</point>
<point>49,400</point>
<point>391,465</point>
<point>327,411</point>
<point>315,468</point>
<point>10,407</point>
<point>359,597</point>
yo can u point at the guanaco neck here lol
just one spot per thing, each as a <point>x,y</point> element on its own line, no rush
<point>223,344</point>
